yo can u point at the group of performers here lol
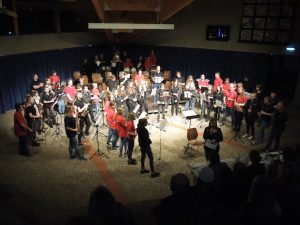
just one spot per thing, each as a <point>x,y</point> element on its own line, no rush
<point>118,100</point>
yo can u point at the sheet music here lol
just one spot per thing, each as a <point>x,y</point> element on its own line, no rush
<point>187,94</point>
<point>136,108</point>
<point>210,144</point>
<point>189,113</point>
<point>158,79</point>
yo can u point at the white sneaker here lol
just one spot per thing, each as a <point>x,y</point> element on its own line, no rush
<point>250,138</point>
<point>245,135</point>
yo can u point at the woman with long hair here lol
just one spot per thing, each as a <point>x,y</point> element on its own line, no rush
<point>212,136</point>
<point>145,145</point>
<point>130,136</point>
<point>121,128</point>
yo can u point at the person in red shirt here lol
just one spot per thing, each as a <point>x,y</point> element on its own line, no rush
<point>203,83</point>
<point>21,129</point>
<point>239,103</point>
<point>127,63</point>
<point>218,81</point>
<point>121,128</point>
<point>229,110</point>
<point>152,57</point>
<point>70,91</point>
<point>112,135</point>
<point>130,136</point>
<point>226,85</point>
<point>148,64</point>
<point>54,78</point>
<point>139,78</point>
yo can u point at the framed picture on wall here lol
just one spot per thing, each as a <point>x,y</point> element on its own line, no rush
<point>267,21</point>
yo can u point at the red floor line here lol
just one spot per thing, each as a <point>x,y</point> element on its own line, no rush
<point>106,175</point>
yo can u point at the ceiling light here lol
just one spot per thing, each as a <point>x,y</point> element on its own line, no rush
<point>131,26</point>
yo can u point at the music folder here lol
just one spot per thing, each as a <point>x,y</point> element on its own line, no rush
<point>163,124</point>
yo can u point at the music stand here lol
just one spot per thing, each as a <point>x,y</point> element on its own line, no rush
<point>98,151</point>
<point>189,115</point>
<point>162,127</point>
<point>57,131</point>
<point>97,129</point>
<point>236,137</point>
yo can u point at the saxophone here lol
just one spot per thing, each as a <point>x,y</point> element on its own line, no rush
<point>77,122</point>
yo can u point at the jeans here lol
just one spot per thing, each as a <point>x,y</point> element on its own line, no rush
<point>217,114</point>
<point>190,104</point>
<point>275,135</point>
<point>146,150</point>
<point>123,145</point>
<point>74,149</point>
<point>161,110</point>
<point>23,149</point>
<point>112,137</point>
<point>61,106</point>
<point>130,146</point>
<point>263,125</point>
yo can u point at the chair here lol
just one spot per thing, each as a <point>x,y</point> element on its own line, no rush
<point>193,144</point>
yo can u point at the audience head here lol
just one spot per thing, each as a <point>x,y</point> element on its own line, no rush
<point>206,175</point>
<point>289,154</point>
<point>254,157</point>
<point>261,189</point>
<point>239,168</point>
<point>272,169</point>
<point>213,123</point>
<point>142,123</point>
<point>288,174</point>
<point>179,183</point>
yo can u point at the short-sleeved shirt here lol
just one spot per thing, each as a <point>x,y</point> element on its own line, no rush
<point>71,91</point>
<point>231,95</point>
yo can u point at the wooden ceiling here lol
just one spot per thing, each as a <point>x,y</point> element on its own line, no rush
<point>109,11</point>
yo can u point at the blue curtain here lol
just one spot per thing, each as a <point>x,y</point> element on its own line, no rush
<point>16,71</point>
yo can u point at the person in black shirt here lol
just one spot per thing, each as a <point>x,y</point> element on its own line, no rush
<point>273,98</point>
<point>278,126</point>
<point>36,84</point>
<point>265,116</point>
<point>219,102</point>
<point>212,136</point>
<point>48,100</point>
<point>71,131</point>
<point>251,110</point>
<point>82,110</point>
<point>175,97</point>
<point>162,95</point>
<point>113,83</point>
<point>144,143</point>
<point>32,115</point>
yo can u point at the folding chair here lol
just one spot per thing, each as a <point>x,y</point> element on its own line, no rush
<point>193,144</point>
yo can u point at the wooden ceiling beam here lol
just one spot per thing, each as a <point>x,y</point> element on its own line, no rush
<point>171,7</point>
<point>135,6</point>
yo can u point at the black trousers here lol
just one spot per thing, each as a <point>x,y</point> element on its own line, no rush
<point>23,149</point>
<point>174,106</point>
<point>146,150</point>
<point>83,120</point>
<point>130,144</point>
<point>250,120</point>
<point>238,120</point>
<point>209,151</point>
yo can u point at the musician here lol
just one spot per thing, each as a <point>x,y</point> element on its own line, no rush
<point>157,78</point>
<point>147,64</point>
<point>54,78</point>
<point>152,58</point>
<point>139,78</point>
<point>31,116</point>
<point>181,83</point>
<point>132,97</point>
<point>124,78</point>
<point>219,102</point>
<point>145,146</point>
<point>36,84</point>
<point>87,99</point>
<point>130,136</point>
<point>113,83</point>
<point>82,110</point>
<point>121,128</point>
<point>143,95</point>
<point>226,85</point>
<point>251,109</point>
<point>203,83</point>
<point>175,91</point>
<point>39,122</point>
<point>140,64</point>
<point>212,136</point>
<point>190,93</point>
<point>60,93</point>
<point>218,80</point>
<point>72,129</point>
<point>229,111</point>
<point>96,97</point>
<point>122,97</point>
<point>48,99</point>
<point>70,91</point>
<point>116,65</point>
<point>278,126</point>
<point>207,102</point>
<point>265,117</point>
<point>127,63</point>
<point>112,135</point>
<point>21,130</point>
<point>239,104</point>
<point>162,99</point>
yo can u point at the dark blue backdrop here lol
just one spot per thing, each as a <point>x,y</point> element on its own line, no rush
<point>16,71</point>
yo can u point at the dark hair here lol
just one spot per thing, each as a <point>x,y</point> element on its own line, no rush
<point>18,106</point>
<point>179,183</point>
<point>142,122</point>
<point>254,156</point>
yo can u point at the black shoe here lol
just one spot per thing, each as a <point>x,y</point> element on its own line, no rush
<point>155,174</point>
<point>132,162</point>
<point>144,171</point>
<point>72,157</point>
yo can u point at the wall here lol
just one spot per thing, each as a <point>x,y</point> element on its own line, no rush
<point>11,45</point>
<point>191,22</point>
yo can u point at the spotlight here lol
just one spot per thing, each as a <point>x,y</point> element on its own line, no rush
<point>290,49</point>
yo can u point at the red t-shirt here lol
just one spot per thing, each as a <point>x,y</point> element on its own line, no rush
<point>120,125</point>
<point>130,129</point>
<point>110,118</point>
<point>202,83</point>
<point>226,87</point>
<point>54,80</point>
<point>71,91</point>
<point>217,82</point>
<point>148,64</point>
<point>139,78</point>
<point>241,99</point>
<point>152,59</point>
<point>127,64</point>
<point>18,120</point>
<point>231,95</point>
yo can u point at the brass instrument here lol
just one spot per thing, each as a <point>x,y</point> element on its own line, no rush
<point>85,112</point>
<point>77,122</point>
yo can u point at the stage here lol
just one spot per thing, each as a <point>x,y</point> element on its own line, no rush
<point>48,188</point>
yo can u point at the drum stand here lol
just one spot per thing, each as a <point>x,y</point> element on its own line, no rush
<point>98,151</point>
